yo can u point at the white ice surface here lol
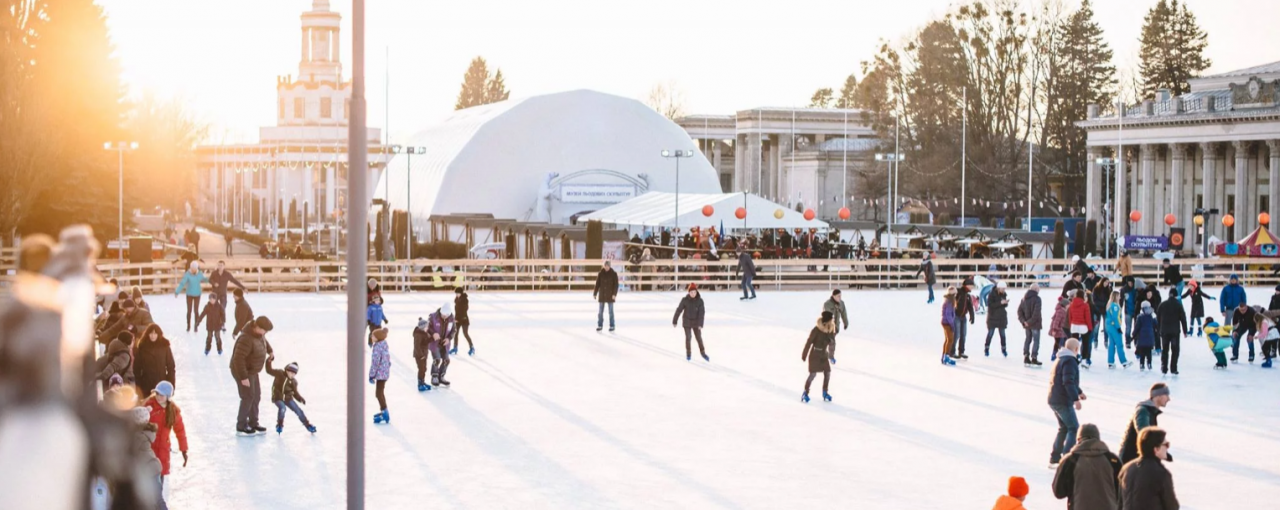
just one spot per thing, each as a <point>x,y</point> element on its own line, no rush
<point>551,414</point>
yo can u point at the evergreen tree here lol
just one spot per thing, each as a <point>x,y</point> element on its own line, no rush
<point>496,89</point>
<point>848,92</point>
<point>1079,74</point>
<point>821,98</point>
<point>474,85</point>
<point>1172,48</point>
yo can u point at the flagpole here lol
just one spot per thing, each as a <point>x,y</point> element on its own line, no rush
<point>964,141</point>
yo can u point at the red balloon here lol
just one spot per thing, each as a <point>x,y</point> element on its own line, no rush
<point>1135,215</point>
<point>1264,218</point>
<point>844,213</point>
<point>741,213</point>
<point>1228,221</point>
<point>1170,219</point>
<point>809,215</point>
<point>707,210</point>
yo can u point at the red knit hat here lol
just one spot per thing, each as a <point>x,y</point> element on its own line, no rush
<point>693,286</point>
<point>1018,487</point>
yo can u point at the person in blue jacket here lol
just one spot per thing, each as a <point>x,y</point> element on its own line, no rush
<point>1065,397</point>
<point>1231,297</point>
<point>190,282</point>
<point>375,317</point>
<point>1130,293</point>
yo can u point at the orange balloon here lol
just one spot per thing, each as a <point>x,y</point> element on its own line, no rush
<point>1170,219</point>
<point>1228,220</point>
<point>741,213</point>
<point>1135,215</point>
<point>707,210</point>
<point>809,215</point>
<point>1264,218</point>
<point>844,213</point>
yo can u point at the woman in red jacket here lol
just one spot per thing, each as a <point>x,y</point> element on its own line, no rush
<point>166,415</point>
<point>1080,318</point>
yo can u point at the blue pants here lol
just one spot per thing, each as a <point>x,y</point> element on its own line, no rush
<point>1115,345</point>
<point>746,285</point>
<point>292,405</point>
<point>600,316</point>
<point>961,333</point>
<point>1128,329</point>
<point>1067,427</point>
<point>1031,346</point>
<point>930,292</point>
<point>1241,337</point>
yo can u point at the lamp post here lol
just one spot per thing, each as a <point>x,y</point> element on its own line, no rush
<point>677,154</point>
<point>120,148</point>
<point>1106,191</point>
<point>1201,217</point>
<point>409,151</point>
<point>892,158</point>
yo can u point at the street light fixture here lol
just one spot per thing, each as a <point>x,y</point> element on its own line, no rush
<point>409,151</point>
<point>121,147</point>
<point>893,158</point>
<point>677,155</point>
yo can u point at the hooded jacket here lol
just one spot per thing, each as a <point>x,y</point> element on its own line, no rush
<point>213,316</point>
<point>1064,388</point>
<point>153,362</point>
<point>1079,312</point>
<point>1088,477</point>
<point>1125,266</point>
<point>693,309</point>
<point>1058,324</point>
<point>997,309</point>
<point>1146,414</point>
<point>1007,502</point>
<point>421,339</point>
<point>1232,295</point>
<point>930,276</point>
<point>1144,330</point>
<point>948,313</point>
<point>1198,296</point>
<point>837,310</point>
<point>380,363</point>
<point>821,338</point>
<point>161,445</point>
<point>115,361</point>
<point>1029,312</point>
<point>283,387</point>
<point>374,316</point>
<point>438,324</point>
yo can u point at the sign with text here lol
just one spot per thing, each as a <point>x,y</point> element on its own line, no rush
<point>596,193</point>
<point>1159,243</point>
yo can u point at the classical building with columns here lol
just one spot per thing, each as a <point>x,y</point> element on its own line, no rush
<point>298,168</point>
<point>810,156</point>
<point>1218,146</point>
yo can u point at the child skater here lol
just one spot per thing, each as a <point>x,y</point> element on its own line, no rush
<point>421,349</point>
<point>1144,336</point>
<point>1115,338</point>
<point>1197,296</point>
<point>379,372</point>
<point>1220,340</point>
<point>820,351</point>
<point>1058,326</point>
<point>375,317</point>
<point>693,309</point>
<point>167,417</point>
<point>948,325</point>
<point>215,318</point>
<point>461,304</point>
<point>1269,333</point>
<point>284,394</point>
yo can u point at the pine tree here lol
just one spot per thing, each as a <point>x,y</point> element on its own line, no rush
<point>848,92</point>
<point>474,85</point>
<point>1079,75</point>
<point>821,98</point>
<point>496,89</point>
<point>1172,48</point>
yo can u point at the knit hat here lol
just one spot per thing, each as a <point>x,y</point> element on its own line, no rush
<point>827,316</point>
<point>1088,431</point>
<point>693,286</point>
<point>422,323</point>
<point>1146,306</point>
<point>1235,276</point>
<point>291,367</point>
<point>1159,390</point>
<point>263,323</point>
<point>1001,285</point>
<point>1018,487</point>
<point>380,334</point>
<point>165,388</point>
<point>141,415</point>
<point>447,309</point>
<point>195,264</point>
<point>125,337</point>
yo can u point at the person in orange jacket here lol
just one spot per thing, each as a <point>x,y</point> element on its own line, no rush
<point>1018,490</point>
<point>1080,323</point>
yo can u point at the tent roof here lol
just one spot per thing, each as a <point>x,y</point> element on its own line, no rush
<point>1251,244</point>
<point>659,209</point>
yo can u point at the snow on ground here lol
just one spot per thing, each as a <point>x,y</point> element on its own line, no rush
<point>551,414</point>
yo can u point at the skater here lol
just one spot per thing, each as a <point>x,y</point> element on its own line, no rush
<point>190,282</point>
<point>421,349</point>
<point>1131,308</point>
<point>1219,341</point>
<point>1065,397</point>
<point>1144,336</point>
<point>997,318</point>
<point>219,280</point>
<point>152,360</point>
<point>1172,322</point>
<point>930,276</point>
<point>379,372</point>
<point>1275,300</point>
<point>1080,319</point>
<point>1145,414</point>
<point>1076,282</point>
<point>1243,324</point>
<point>375,318</point>
<point>748,268</point>
<point>948,325</point>
<point>835,305</point>
<point>820,352</point>
<point>605,292</point>
<point>964,307</point>
<point>1089,477</point>
<point>1232,295</point>
<point>1032,320</point>
<point>167,417</point>
<point>1171,276</point>
<point>441,324</point>
<point>214,317</point>
<point>1111,328</point>
<point>1099,298</point>
<point>374,291</point>
<point>1059,328</point>
<point>1015,495</point>
<point>244,313</point>
<point>1125,266</point>
<point>284,394</point>
<point>133,319</point>
<point>1198,296</point>
<point>1145,482</point>
<point>461,305</point>
<point>694,311</point>
<point>1269,333</point>
<point>247,359</point>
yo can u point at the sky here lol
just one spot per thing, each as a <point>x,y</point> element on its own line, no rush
<point>222,57</point>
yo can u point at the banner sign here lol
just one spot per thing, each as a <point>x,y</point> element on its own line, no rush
<point>1159,243</point>
<point>596,193</point>
<point>1176,237</point>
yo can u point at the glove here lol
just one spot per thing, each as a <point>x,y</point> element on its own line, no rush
<point>184,458</point>
<point>370,380</point>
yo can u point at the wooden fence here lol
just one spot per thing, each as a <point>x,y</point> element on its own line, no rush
<point>793,274</point>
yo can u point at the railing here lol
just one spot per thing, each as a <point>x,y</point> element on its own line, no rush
<point>788,274</point>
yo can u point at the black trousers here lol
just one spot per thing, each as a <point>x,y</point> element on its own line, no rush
<point>696,333</point>
<point>379,387</point>
<point>1171,344</point>
<point>826,378</point>
<point>249,398</point>
<point>193,310</point>
<point>211,334</point>
<point>463,330</point>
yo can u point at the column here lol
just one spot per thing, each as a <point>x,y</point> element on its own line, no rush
<point>1177,158</point>
<point>1273,146</point>
<point>1120,209</point>
<point>715,160</point>
<point>1093,186</point>
<point>1147,192</point>
<point>739,183</point>
<point>1209,162</point>
<point>1242,189</point>
<point>306,37</point>
<point>330,190</point>
<point>1135,200</point>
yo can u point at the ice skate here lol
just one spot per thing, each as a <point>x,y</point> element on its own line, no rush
<point>706,358</point>
<point>471,351</point>
<point>377,418</point>
<point>1004,352</point>
<point>279,428</point>
<point>1267,363</point>
<point>444,382</point>
<point>422,386</point>
<point>453,351</point>
<point>826,396</point>
<point>804,397</point>
<point>688,357</point>
<point>310,428</point>
<point>1127,364</point>
<point>1111,366</point>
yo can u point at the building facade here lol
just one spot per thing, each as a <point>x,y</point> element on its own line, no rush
<point>814,157</point>
<point>1216,147</point>
<point>298,168</point>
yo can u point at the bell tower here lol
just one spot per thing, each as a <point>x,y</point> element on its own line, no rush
<point>320,51</point>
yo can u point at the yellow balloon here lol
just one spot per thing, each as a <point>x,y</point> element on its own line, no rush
<point>778,214</point>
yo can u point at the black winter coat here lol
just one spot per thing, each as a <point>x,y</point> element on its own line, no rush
<point>1145,484</point>
<point>930,276</point>
<point>248,356</point>
<point>694,311</point>
<point>1171,318</point>
<point>461,303</point>
<point>244,315</point>
<point>1064,390</point>
<point>1275,302</point>
<point>606,286</point>
<point>1172,275</point>
<point>213,316</point>
<point>1029,310</point>
<point>153,362</point>
<point>1146,414</point>
<point>1197,301</point>
<point>997,310</point>
<point>283,388</point>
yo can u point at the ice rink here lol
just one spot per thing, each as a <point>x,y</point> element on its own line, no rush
<point>551,414</point>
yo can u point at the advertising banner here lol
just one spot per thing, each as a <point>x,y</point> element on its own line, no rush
<point>596,193</point>
<point>1157,243</point>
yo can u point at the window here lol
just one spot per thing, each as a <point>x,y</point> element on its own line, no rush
<point>297,108</point>
<point>281,114</point>
<point>326,108</point>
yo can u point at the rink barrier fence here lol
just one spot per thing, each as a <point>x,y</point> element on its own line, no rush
<point>578,275</point>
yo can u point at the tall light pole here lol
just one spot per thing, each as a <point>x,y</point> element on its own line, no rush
<point>677,154</point>
<point>893,159</point>
<point>357,261</point>
<point>409,151</point>
<point>1103,163</point>
<point>120,148</point>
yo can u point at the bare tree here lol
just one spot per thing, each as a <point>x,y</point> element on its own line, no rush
<point>667,98</point>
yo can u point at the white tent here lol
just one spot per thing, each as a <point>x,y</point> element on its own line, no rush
<point>659,209</point>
